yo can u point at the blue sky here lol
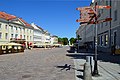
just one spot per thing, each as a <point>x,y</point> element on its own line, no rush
<point>56,16</point>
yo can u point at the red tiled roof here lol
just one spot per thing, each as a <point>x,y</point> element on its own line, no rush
<point>24,22</point>
<point>6,16</point>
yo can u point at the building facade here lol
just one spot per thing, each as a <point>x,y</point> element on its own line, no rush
<point>108,32</point>
<point>54,39</point>
<point>38,33</point>
<point>46,37</point>
<point>12,27</point>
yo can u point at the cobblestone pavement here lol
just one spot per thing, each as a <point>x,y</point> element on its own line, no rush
<point>36,64</point>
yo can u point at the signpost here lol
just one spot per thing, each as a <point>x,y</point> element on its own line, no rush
<point>92,18</point>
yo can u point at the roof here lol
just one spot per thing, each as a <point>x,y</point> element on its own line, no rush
<point>54,36</point>
<point>26,24</point>
<point>6,16</point>
<point>40,27</point>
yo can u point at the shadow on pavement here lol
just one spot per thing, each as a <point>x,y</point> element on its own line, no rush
<point>107,57</point>
<point>81,70</point>
<point>102,56</point>
<point>70,51</point>
<point>80,76</point>
<point>68,67</point>
<point>64,67</point>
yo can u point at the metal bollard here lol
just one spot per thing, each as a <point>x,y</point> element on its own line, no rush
<point>90,60</point>
<point>87,73</point>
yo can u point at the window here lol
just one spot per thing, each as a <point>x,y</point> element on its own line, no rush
<point>16,28</point>
<point>98,40</point>
<point>106,39</point>
<point>106,2</point>
<point>6,35</point>
<point>20,36</point>
<point>12,28</point>
<point>16,35</point>
<point>20,29</point>
<point>11,35</point>
<point>24,36</point>
<point>102,40</point>
<point>115,15</point>
<point>24,30</point>
<point>0,35</point>
<point>6,27</point>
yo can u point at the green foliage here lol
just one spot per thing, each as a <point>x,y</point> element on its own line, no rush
<point>63,41</point>
<point>72,40</point>
<point>60,40</point>
<point>78,37</point>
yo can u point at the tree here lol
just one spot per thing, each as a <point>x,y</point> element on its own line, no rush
<point>72,40</point>
<point>78,37</point>
<point>65,41</point>
<point>60,40</point>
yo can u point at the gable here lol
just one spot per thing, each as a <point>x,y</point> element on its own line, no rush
<point>17,21</point>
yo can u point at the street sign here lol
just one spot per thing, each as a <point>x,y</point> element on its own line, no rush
<point>101,7</point>
<point>83,19</point>
<point>93,15</point>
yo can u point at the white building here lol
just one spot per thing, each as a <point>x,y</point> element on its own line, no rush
<point>40,37</point>
<point>37,36</point>
<point>46,37</point>
<point>54,39</point>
